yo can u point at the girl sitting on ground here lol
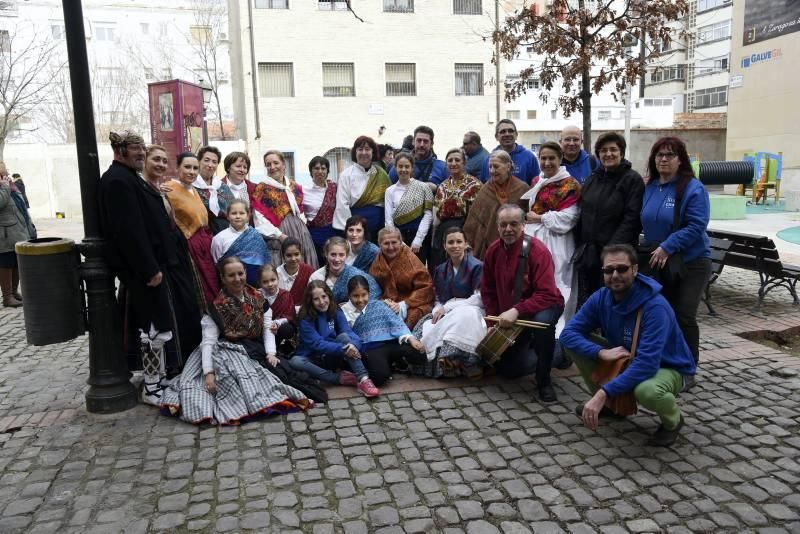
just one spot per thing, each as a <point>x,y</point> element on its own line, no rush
<point>293,273</point>
<point>327,343</point>
<point>282,307</point>
<point>336,273</point>
<point>241,240</point>
<point>386,341</point>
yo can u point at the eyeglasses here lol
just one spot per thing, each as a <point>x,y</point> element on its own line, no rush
<point>621,269</point>
<point>666,155</point>
<point>506,131</point>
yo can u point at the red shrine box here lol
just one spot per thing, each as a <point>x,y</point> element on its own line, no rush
<point>176,118</point>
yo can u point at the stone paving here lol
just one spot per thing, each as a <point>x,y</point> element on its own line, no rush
<point>470,458</point>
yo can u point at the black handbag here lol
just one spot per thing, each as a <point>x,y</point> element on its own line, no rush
<point>675,268</point>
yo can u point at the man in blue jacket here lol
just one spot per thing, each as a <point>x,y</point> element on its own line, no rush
<point>426,167</point>
<point>526,166</point>
<point>662,366</point>
<point>579,164</point>
<point>476,153</point>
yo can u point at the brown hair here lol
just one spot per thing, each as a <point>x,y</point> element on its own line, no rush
<point>307,310</point>
<point>685,172</point>
<point>555,147</point>
<point>364,140</point>
<point>232,158</point>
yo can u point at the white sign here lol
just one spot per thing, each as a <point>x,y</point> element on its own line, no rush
<point>736,81</point>
<point>375,109</point>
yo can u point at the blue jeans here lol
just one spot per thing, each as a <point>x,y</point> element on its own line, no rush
<point>323,366</point>
<point>518,360</point>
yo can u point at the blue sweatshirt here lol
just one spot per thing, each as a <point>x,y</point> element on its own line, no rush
<point>658,211</point>
<point>475,162</point>
<point>526,165</point>
<point>438,170</point>
<point>661,342</point>
<point>318,337</point>
<point>582,167</point>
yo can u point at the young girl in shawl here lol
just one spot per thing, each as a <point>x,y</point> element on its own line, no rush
<point>282,306</point>
<point>293,273</point>
<point>386,341</point>
<point>552,212</point>
<point>409,207</point>
<point>327,343</point>
<point>362,251</point>
<point>243,241</point>
<point>336,273</point>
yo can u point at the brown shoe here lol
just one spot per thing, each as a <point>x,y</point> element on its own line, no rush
<point>11,302</point>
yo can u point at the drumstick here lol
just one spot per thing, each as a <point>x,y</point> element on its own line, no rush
<point>520,322</point>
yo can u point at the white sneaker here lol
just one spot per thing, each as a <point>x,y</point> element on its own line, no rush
<point>151,394</point>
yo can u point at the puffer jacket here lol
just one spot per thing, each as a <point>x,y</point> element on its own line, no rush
<point>13,226</point>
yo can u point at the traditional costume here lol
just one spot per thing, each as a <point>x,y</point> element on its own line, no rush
<point>295,283</point>
<point>455,335</point>
<point>235,343</point>
<point>408,207</point>
<point>404,279</point>
<point>247,245</point>
<point>361,192</point>
<point>319,204</point>
<point>215,196</point>
<point>192,219</point>
<point>480,228</point>
<point>451,205</point>
<point>281,204</point>
<point>364,257</point>
<point>338,284</point>
<point>283,314</point>
<point>556,200</point>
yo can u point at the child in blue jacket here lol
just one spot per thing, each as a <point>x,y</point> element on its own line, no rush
<point>327,343</point>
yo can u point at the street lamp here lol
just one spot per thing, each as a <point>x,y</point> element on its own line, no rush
<point>208,93</point>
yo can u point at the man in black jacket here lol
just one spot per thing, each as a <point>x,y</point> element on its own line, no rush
<point>148,254</point>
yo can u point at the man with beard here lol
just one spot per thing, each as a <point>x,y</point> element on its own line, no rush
<point>535,298</point>
<point>526,166</point>
<point>427,168</point>
<point>148,253</point>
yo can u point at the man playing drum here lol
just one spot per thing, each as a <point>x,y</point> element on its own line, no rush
<point>662,363</point>
<point>539,299</point>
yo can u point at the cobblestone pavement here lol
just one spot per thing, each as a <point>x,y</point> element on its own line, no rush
<point>476,459</point>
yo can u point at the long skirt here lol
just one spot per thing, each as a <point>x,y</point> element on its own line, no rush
<point>200,251</point>
<point>453,340</point>
<point>293,226</point>
<point>245,390</point>
<point>438,254</point>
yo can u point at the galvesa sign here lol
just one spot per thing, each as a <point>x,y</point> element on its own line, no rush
<point>760,57</point>
<point>766,19</point>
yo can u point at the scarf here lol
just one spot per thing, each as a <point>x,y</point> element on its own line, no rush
<point>270,194</point>
<point>377,184</point>
<point>555,193</point>
<point>209,192</point>
<point>240,319</point>
<point>324,216</point>
<point>239,191</point>
<point>378,323</point>
<point>417,199</point>
<point>500,191</point>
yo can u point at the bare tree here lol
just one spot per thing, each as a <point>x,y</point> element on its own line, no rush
<point>211,19</point>
<point>24,83</point>
<point>583,45</point>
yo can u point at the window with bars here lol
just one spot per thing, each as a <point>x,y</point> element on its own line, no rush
<point>604,115</point>
<point>272,4</point>
<point>332,5</point>
<point>532,83</point>
<point>668,74</point>
<point>104,33</point>
<point>57,31</point>
<point>338,79</point>
<point>467,7</point>
<point>339,160</point>
<point>705,5</point>
<point>531,114</point>
<point>709,98</point>
<point>469,79</point>
<point>714,32</point>
<point>398,6</point>
<point>712,65</point>
<point>656,102</point>
<point>276,79</point>
<point>200,34</point>
<point>512,114</point>
<point>289,157</point>
<point>554,114</point>
<point>401,79</point>
<point>5,42</point>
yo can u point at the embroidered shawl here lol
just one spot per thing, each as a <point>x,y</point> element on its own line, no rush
<point>463,284</point>
<point>241,319</point>
<point>379,323</point>
<point>190,213</point>
<point>283,306</point>
<point>274,203</point>
<point>298,288</point>
<point>480,228</point>
<point>416,200</point>
<point>252,250</point>
<point>375,191</point>
<point>454,197</point>
<point>339,289</point>
<point>366,256</point>
<point>556,193</point>
<point>324,216</point>
<point>405,278</point>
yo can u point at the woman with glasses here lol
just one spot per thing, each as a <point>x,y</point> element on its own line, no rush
<point>611,202</point>
<point>675,214</point>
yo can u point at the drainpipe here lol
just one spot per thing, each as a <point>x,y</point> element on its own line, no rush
<point>497,63</point>
<point>253,68</point>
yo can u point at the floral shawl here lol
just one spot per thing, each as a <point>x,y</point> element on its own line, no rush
<point>454,197</point>
<point>556,193</point>
<point>375,191</point>
<point>417,199</point>
<point>480,228</point>
<point>273,203</point>
<point>324,216</point>
<point>240,319</point>
<point>405,278</point>
<point>449,284</point>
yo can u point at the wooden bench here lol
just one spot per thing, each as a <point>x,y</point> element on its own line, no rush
<point>755,253</point>
<point>719,251</point>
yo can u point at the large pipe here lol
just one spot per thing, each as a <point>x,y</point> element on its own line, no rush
<point>726,172</point>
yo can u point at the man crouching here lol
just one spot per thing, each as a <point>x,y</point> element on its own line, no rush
<point>662,365</point>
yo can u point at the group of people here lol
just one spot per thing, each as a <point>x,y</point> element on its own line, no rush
<point>15,226</point>
<point>240,295</point>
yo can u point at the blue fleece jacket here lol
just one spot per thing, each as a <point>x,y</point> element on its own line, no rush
<point>582,167</point>
<point>318,337</point>
<point>475,162</point>
<point>526,165</point>
<point>438,170</point>
<point>658,213</point>
<point>661,342</point>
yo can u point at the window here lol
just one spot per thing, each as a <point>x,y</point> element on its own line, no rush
<point>531,114</point>
<point>272,4</point>
<point>149,74</point>
<point>512,114</point>
<point>5,42</point>
<point>709,98</point>
<point>109,78</point>
<point>604,115</point>
<point>657,102</point>
<point>554,114</point>
<point>338,79</point>
<point>467,7</point>
<point>339,159</point>
<point>533,83</point>
<point>332,5</point>
<point>469,79</point>
<point>398,6</point>
<point>276,79</point>
<point>705,5</point>
<point>289,157</point>
<point>712,65</point>
<point>200,34</point>
<point>104,33</point>
<point>166,73</point>
<point>662,46</point>
<point>57,31</point>
<point>714,32</point>
<point>668,74</point>
<point>144,28</point>
<point>401,79</point>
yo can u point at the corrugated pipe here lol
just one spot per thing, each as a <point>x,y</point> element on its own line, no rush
<point>726,172</point>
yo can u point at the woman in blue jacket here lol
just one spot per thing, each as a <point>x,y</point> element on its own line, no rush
<point>327,342</point>
<point>676,245</point>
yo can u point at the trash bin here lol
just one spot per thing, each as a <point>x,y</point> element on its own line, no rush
<point>51,287</point>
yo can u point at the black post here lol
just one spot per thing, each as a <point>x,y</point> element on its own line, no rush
<point>110,389</point>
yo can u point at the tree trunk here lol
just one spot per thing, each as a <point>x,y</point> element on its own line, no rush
<point>219,116</point>
<point>2,147</point>
<point>586,102</point>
